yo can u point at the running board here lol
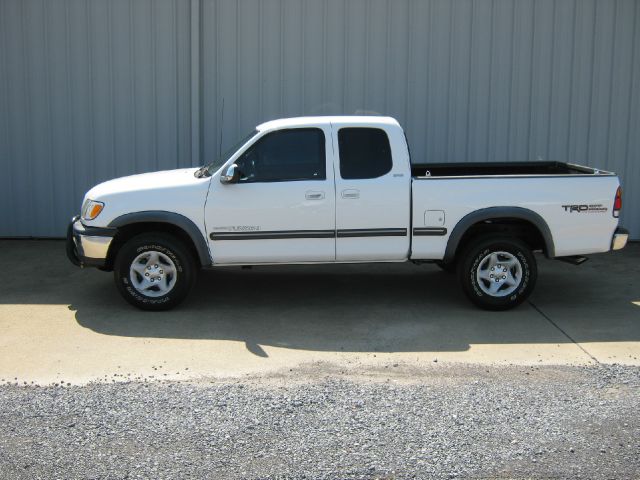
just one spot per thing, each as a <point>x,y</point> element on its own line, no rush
<point>573,259</point>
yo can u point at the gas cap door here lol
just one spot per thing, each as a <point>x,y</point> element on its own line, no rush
<point>434,218</point>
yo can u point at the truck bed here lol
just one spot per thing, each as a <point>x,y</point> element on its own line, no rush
<point>574,203</point>
<point>427,170</point>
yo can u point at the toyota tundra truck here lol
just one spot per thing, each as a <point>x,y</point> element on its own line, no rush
<point>343,189</point>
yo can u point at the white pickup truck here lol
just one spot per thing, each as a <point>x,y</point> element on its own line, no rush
<point>343,190</point>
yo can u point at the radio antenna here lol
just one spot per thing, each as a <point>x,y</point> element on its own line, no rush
<point>221,129</point>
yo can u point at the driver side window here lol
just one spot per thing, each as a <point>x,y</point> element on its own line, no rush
<point>285,155</point>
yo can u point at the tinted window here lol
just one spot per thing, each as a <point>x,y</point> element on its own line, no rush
<point>285,155</point>
<point>364,153</point>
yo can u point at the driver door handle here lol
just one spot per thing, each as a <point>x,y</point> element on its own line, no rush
<point>311,195</point>
<point>350,193</point>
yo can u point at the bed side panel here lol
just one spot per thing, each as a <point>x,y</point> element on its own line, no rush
<point>576,209</point>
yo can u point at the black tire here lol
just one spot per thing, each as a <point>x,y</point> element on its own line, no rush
<point>477,259</point>
<point>170,249</point>
<point>449,267</point>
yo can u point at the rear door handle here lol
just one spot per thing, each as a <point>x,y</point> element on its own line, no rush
<point>351,193</point>
<point>310,195</point>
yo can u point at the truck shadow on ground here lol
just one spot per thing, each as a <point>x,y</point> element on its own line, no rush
<point>399,308</point>
<point>301,308</point>
<point>351,308</point>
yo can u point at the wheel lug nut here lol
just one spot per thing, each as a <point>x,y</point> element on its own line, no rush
<point>497,279</point>
<point>504,269</point>
<point>504,277</point>
<point>163,272</point>
<point>152,279</point>
<point>491,276</point>
<point>492,269</point>
<point>146,274</point>
<point>155,266</point>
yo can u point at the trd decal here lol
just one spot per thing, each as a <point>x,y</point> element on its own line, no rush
<point>599,208</point>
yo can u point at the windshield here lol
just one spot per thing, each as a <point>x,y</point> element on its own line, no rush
<point>216,164</point>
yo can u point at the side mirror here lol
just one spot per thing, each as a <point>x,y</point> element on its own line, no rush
<point>232,175</point>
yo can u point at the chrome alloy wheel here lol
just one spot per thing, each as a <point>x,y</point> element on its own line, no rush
<point>153,274</point>
<point>499,274</point>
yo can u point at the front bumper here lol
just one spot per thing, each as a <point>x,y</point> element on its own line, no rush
<point>88,246</point>
<point>619,239</point>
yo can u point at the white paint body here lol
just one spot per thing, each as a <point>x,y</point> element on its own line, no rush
<point>573,233</point>
<point>383,202</point>
<point>393,201</point>
<point>277,206</point>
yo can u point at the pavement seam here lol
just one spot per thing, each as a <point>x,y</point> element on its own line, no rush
<point>563,332</point>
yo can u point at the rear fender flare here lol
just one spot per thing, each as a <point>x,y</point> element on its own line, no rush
<point>491,213</point>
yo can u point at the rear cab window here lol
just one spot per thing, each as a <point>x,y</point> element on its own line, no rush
<point>364,153</point>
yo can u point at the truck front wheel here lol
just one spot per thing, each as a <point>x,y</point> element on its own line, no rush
<point>154,271</point>
<point>497,273</point>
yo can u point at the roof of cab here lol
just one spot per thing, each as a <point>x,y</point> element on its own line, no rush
<point>315,121</point>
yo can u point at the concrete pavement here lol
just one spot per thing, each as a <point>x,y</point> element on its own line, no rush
<point>61,323</point>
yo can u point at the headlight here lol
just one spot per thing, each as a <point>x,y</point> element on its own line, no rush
<point>91,209</point>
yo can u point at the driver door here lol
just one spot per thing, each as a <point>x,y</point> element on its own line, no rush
<point>282,206</point>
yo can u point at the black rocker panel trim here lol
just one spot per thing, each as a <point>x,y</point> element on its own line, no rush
<point>429,232</point>
<point>273,235</point>
<point>293,234</point>
<point>372,232</point>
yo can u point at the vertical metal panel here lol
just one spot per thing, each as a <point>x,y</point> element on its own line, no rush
<point>480,83</point>
<point>521,80</point>
<point>15,153</point>
<point>631,175</point>
<point>90,90</point>
<point>624,84</point>
<point>460,80</point>
<point>417,86</point>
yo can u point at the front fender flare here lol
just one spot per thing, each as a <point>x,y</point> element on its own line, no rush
<point>176,219</point>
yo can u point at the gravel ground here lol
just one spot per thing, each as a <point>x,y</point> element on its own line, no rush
<point>441,421</point>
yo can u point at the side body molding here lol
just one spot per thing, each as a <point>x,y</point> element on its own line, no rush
<point>176,219</point>
<point>493,213</point>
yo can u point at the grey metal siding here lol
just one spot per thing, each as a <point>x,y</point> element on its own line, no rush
<point>89,90</point>
<point>94,89</point>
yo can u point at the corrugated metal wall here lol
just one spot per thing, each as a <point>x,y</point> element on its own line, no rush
<point>94,89</point>
<point>89,90</point>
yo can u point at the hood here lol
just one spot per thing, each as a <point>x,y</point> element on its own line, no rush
<point>145,181</point>
<point>177,191</point>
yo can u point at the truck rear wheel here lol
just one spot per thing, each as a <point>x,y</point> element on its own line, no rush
<point>497,273</point>
<point>154,271</point>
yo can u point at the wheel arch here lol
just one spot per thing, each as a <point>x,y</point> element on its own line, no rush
<point>498,214</point>
<point>138,222</point>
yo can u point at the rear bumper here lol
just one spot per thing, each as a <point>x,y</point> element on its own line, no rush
<point>88,246</point>
<point>619,239</point>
